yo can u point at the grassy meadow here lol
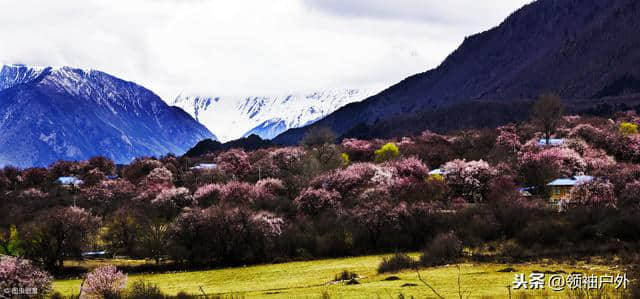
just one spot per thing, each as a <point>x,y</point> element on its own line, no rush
<point>310,279</point>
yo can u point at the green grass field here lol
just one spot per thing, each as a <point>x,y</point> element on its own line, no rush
<point>310,279</point>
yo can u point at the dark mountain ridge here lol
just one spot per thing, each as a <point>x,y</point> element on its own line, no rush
<point>249,143</point>
<point>575,48</point>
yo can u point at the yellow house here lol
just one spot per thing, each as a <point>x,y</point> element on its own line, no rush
<point>561,188</point>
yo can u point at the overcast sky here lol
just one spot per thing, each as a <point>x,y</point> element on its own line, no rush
<point>244,47</point>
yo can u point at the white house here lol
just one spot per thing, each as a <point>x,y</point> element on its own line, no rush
<point>561,187</point>
<point>205,166</point>
<point>437,171</point>
<point>69,181</point>
<point>552,142</point>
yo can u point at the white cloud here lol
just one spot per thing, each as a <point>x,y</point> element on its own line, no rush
<point>242,46</point>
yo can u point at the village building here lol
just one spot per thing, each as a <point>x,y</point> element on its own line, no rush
<point>561,187</point>
<point>205,166</point>
<point>552,142</point>
<point>437,171</point>
<point>69,181</point>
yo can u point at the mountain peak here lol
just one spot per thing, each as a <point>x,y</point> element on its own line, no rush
<point>69,113</point>
<point>233,117</point>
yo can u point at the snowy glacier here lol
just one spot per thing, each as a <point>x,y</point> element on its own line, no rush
<point>233,117</point>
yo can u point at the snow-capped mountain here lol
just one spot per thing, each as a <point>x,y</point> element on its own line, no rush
<point>48,114</point>
<point>234,117</point>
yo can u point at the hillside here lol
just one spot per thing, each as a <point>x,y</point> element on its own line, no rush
<point>578,49</point>
<point>48,114</point>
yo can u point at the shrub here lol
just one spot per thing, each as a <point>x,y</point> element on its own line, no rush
<point>358,150</point>
<point>444,249</point>
<point>141,289</point>
<point>512,250</point>
<point>157,180</point>
<point>93,177</point>
<point>103,164</point>
<point>345,159</point>
<point>396,263</point>
<point>345,275</point>
<point>313,201</point>
<point>208,195</point>
<point>35,177</point>
<point>191,236</point>
<point>10,241</point>
<point>410,167</point>
<point>628,128</point>
<point>19,273</point>
<point>469,179</point>
<point>241,193</point>
<point>59,233</point>
<point>348,181</point>
<point>139,168</point>
<point>596,192</point>
<point>174,198</point>
<point>508,139</point>
<point>104,282</point>
<point>271,185</point>
<point>387,152</point>
<point>234,162</point>
<point>629,195</point>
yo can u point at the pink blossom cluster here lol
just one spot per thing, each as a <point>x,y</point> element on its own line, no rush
<point>411,167</point>
<point>377,215</point>
<point>629,195</point>
<point>208,194</point>
<point>22,274</point>
<point>175,197</point>
<point>598,162</point>
<point>565,160</point>
<point>103,282</point>
<point>233,193</point>
<point>629,148</point>
<point>271,185</point>
<point>595,192</point>
<point>377,194</point>
<point>358,178</point>
<point>357,145</point>
<point>432,138</point>
<point>236,192</point>
<point>469,179</point>
<point>312,201</point>
<point>571,118</point>
<point>348,180</point>
<point>590,134</point>
<point>404,141</point>
<point>76,216</point>
<point>286,158</point>
<point>508,138</point>
<point>234,161</point>
<point>358,150</point>
<point>157,180</point>
<point>268,223</point>
<point>109,190</point>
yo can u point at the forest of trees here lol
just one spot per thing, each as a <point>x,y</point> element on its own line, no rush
<point>329,198</point>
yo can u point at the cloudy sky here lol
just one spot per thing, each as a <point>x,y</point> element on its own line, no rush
<point>244,47</point>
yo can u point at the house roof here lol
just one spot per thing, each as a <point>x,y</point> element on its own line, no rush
<point>526,191</point>
<point>70,180</point>
<point>552,141</point>
<point>572,181</point>
<point>437,171</point>
<point>205,166</point>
